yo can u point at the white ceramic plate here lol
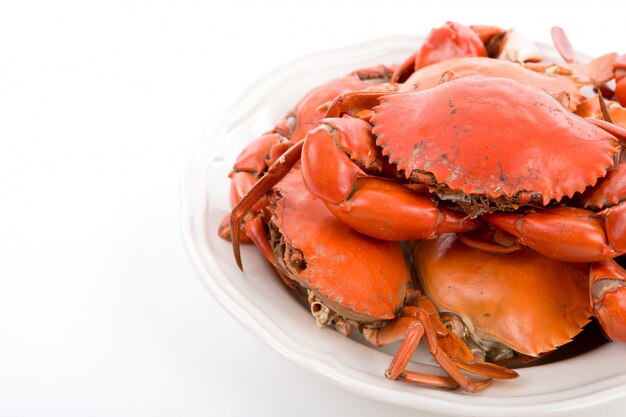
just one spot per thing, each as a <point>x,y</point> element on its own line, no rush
<point>262,303</point>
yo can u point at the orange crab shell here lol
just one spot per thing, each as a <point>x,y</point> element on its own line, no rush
<point>311,108</point>
<point>530,303</point>
<point>494,137</point>
<point>430,76</point>
<point>359,274</point>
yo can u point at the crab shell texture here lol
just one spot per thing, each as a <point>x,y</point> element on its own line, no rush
<point>609,191</point>
<point>359,277</point>
<point>430,76</point>
<point>492,137</point>
<point>524,300</point>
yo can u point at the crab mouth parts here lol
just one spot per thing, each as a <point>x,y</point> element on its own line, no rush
<point>476,204</point>
<point>472,204</point>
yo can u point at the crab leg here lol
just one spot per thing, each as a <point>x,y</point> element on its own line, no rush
<point>411,331</point>
<point>253,225</point>
<point>427,380</point>
<point>250,165</point>
<point>274,174</point>
<point>448,342</point>
<point>238,183</point>
<point>421,322</point>
<point>563,45</point>
<point>608,295</point>
<point>598,71</point>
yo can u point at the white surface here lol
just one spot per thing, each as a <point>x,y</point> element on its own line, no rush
<point>101,105</point>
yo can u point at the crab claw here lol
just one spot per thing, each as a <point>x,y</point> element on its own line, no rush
<point>608,296</point>
<point>567,234</point>
<point>334,159</point>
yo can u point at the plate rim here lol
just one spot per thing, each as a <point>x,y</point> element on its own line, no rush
<point>205,268</point>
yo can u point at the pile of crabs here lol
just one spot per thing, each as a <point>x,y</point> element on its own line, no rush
<point>472,198</point>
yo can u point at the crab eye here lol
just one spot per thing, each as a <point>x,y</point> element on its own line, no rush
<point>536,198</point>
<point>296,260</point>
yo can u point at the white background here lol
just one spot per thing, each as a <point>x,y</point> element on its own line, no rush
<point>101,104</point>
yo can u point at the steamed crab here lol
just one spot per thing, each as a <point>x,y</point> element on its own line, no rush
<point>354,282</point>
<point>468,140</point>
<point>491,307</point>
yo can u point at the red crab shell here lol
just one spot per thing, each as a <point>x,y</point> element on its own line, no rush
<point>363,278</point>
<point>311,108</point>
<point>524,300</point>
<point>492,137</point>
<point>430,76</point>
